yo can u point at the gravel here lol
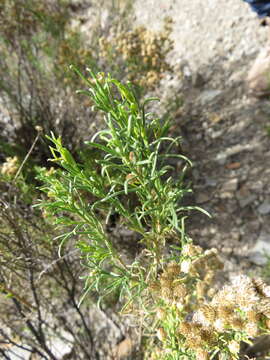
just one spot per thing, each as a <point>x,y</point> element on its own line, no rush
<point>206,29</point>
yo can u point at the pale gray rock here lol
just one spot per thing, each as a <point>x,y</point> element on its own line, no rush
<point>260,253</point>
<point>208,96</point>
<point>243,202</point>
<point>264,208</point>
<point>202,198</point>
<point>230,185</point>
<point>234,150</point>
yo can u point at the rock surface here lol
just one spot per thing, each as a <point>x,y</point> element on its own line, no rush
<point>223,127</point>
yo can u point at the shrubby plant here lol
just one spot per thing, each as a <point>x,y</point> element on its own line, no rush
<point>168,284</point>
<point>130,179</point>
<point>139,54</point>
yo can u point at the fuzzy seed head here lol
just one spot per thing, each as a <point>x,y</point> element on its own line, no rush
<point>261,287</point>
<point>10,166</point>
<point>191,250</point>
<point>264,307</point>
<point>234,347</point>
<point>251,328</point>
<point>185,328</point>
<point>208,311</point>
<point>180,291</point>
<point>225,312</point>
<point>167,293</point>
<point>253,316</point>
<point>166,280</point>
<point>237,323</point>
<point>173,269</point>
<point>186,266</point>
<point>202,354</point>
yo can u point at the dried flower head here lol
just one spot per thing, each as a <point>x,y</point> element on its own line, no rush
<point>191,250</point>
<point>264,307</point>
<point>237,323</point>
<point>252,329</point>
<point>253,316</point>
<point>185,328</point>
<point>173,269</point>
<point>234,347</point>
<point>167,293</point>
<point>161,334</point>
<point>261,287</point>
<point>154,286</point>
<point>202,354</point>
<point>208,312</point>
<point>225,312</point>
<point>186,266</point>
<point>10,166</point>
<point>180,291</point>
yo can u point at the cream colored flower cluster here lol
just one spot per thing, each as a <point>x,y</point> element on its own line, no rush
<point>239,311</point>
<point>241,307</point>
<point>10,166</point>
<point>194,272</point>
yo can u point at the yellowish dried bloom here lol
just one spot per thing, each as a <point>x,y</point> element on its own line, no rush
<point>166,281</point>
<point>213,261</point>
<point>173,269</point>
<point>264,307</point>
<point>253,316</point>
<point>185,328</point>
<point>237,323</point>
<point>194,342</point>
<point>154,286</point>
<point>202,354</point>
<point>209,277</point>
<point>167,293</point>
<point>208,336</point>
<point>261,287</point>
<point>180,291</point>
<point>191,250</point>
<point>251,328</point>
<point>225,312</point>
<point>10,166</point>
<point>234,347</point>
<point>208,312</point>
<point>186,266</point>
<point>161,334</point>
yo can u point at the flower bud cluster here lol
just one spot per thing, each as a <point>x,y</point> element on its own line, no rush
<point>142,51</point>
